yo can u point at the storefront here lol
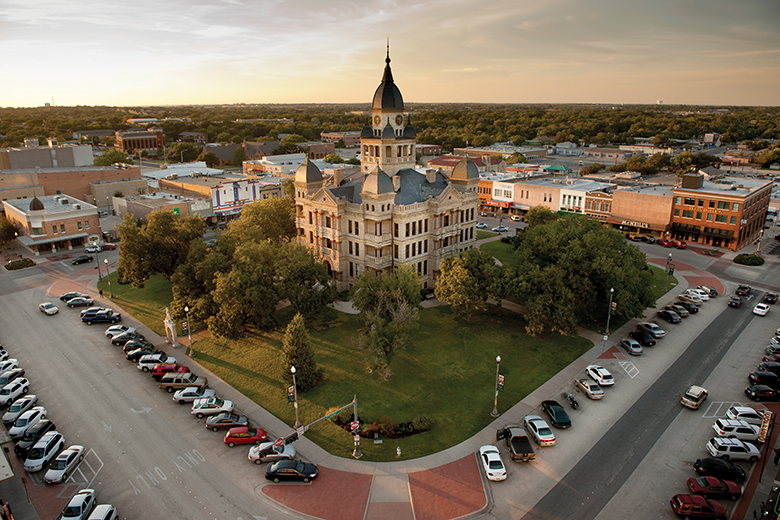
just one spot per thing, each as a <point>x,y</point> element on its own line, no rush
<point>636,226</point>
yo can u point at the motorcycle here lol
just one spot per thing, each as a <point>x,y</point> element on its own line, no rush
<point>572,401</point>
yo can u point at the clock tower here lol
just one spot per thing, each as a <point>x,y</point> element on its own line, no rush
<point>389,143</point>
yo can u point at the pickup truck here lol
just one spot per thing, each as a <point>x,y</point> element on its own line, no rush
<point>177,381</point>
<point>518,442</point>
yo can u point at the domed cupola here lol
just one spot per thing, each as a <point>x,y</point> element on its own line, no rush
<point>36,204</point>
<point>387,95</point>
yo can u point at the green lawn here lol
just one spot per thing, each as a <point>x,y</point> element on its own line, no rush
<point>503,252</point>
<point>147,305</point>
<point>485,234</point>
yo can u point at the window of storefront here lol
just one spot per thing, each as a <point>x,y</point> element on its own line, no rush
<point>687,213</point>
<point>690,201</point>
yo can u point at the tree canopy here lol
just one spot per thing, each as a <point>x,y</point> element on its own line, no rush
<point>112,157</point>
<point>467,281</point>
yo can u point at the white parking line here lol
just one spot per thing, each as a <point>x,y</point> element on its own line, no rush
<point>719,408</point>
<point>630,368</point>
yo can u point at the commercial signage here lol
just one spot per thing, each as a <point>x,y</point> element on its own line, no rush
<point>498,203</point>
<point>765,424</point>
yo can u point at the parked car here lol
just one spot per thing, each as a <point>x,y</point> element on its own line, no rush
<point>109,247</point>
<point>656,331</point>
<point>9,375</point>
<point>79,301</point>
<point>735,301</point>
<point>762,393</point>
<point>210,406</point>
<point>189,394</point>
<point>291,470</point>
<point>631,347</point>
<point>770,298</point>
<point>124,337</point>
<point>73,294</point>
<point>670,316</point>
<point>539,430</point>
<point>718,468</point>
<point>743,290</point>
<point>225,420</point>
<point>8,364</point>
<point>149,361</point>
<point>44,450</point>
<point>679,309</point>
<point>245,435</point>
<point>643,338</point>
<point>769,366</point>
<point>649,239</point>
<point>600,375</point>
<point>517,442</point>
<point>26,421</point>
<point>701,293</point>
<point>267,452</point>
<point>711,487</point>
<point>64,464</point>
<point>164,369</point>
<point>104,512</point>
<point>115,330</point>
<point>500,229</point>
<point>558,416</point>
<point>710,290</point>
<point>13,390</point>
<point>491,461</point>
<point>102,317</point>
<point>177,381</point>
<point>134,344</point>
<point>690,298</point>
<point>82,259</point>
<point>764,378</point>
<point>761,309</point>
<point>679,244</point>
<point>18,407</point>
<point>689,306</point>
<point>137,353</point>
<point>694,506</point>
<point>589,388</point>
<point>80,505</point>
<point>664,242</point>
<point>734,428</point>
<point>92,249</point>
<point>48,308</point>
<point>482,225</point>
<point>694,397</point>
<point>92,311</point>
<point>28,440</point>
<point>733,449</point>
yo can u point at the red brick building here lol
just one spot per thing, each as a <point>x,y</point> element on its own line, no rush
<point>131,140</point>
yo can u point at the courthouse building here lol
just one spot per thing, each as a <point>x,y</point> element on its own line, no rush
<point>392,215</point>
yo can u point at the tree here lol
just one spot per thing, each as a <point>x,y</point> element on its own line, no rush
<point>355,161</point>
<point>183,152</point>
<point>539,215</point>
<point>298,353</point>
<point>239,157</point>
<point>302,279</point>
<point>266,219</point>
<point>112,157</point>
<point>286,148</point>
<point>768,156</point>
<point>388,305</point>
<point>466,282</point>
<point>8,231</point>
<point>333,158</point>
<point>210,158</point>
<point>516,158</point>
<point>340,144</point>
<point>590,170</point>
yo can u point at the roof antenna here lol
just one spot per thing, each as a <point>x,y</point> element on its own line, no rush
<point>387,60</point>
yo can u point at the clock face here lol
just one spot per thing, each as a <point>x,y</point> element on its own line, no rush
<point>377,120</point>
<point>399,119</point>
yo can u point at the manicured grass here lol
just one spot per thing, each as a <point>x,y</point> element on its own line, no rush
<point>503,252</point>
<point>448,375</point>
<point>147,305</point>
<point>485,234</point>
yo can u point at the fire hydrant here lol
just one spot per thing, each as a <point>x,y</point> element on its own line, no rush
<point>398,451</point>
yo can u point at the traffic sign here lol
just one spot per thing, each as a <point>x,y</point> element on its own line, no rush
<point>278,443</point>
<point>501,382</point>
<point>354,426</point>
<point>290,394</point>
<point>357,438</point>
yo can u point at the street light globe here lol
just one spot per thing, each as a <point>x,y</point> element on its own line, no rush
<point>105,261</point>
<point>498,359</point>
<point>611,289</point>
<point>292,369</point>
<point>186,309</point>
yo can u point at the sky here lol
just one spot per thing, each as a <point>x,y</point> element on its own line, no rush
<point>170,52</point>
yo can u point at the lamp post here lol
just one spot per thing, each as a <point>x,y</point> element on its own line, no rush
<point>494,413</point>
<point>668,265</point>
<point>110,290</point>
<point>758,249</point>
<point>16,241</point>
<point>189,330</point>
<point>295,394</point>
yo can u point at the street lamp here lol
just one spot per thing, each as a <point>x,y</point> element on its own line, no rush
<point>668,267</point>
<point>110,290</point>
<point>295,394</point>
<point>494,413</point>
<point>189,330</point>
<point>16,241</point>
<point>758,249</point>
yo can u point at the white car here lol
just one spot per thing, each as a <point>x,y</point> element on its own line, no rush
<point>285,451</point>
<point>65,462</point>
<point>9,364</point>
<point>704,295</point>
<point>500,229</point>
<point>114,330</point>
<point>104,512</point>
<point>80,505</point>
<point>18,407</point>
<point>210,406</point>
<point>589,388</point>
<point>481,225</point>
<point>747,414</point>
<point>189,394</point>
<point>539,430</point>
<point>734,428</point>
<point>761,309</point>
<point>44,450</point>
<point>600,375</point>
<point>149,361</point>
<point>733,449</point>
<point>13,390</point>
<point>26,420</point>
<point>492,463</point>
<point>93,249</point>
<point>48,308</point>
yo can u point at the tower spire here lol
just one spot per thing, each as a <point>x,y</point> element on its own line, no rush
<point>387,59</point>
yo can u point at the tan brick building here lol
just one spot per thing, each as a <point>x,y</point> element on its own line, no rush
<point>642,209</point>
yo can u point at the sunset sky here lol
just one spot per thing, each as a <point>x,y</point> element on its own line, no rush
<point>159,52</point>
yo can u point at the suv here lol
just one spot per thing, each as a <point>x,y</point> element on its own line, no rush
<point>44,450</point>
<point>210,406</point>
<point>92,311</point>
<point>176,381</point>
<point>167,368</point>
<point>149,361</point>
<point>13,390</point>
<point>694,506</point>
<point>654,330</point>
<point>732,449</point>
<point>33,434</point>
<point>693,397</point>
<point>104,316</point>
<point>734,428</point>
<point>9,375</point>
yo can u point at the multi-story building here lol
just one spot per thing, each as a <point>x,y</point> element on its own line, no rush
<point>228,198</point>
<point>485,163</point>
<point>393,215</point>
<point>349,138</point>
<point>642,209</point>
<point>729,214</point>
<point>52,156</point>
<point>131,140</point>
<point>52,223</point>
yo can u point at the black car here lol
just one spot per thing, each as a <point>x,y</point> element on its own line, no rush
<point>121,339</point>
<point>719,468</point>
<point>690,307</point>
<point>31,436</point>
<point>73,294</point>
<point>106,316</point>
<point>643,338</point>
<point>558,416</point>
<point>136,344</point>
<point>9,375</point>
<point>670,316</point>
<point>770,298</point>
<point>764,378</point>
<point>770,366</point>
<point>291,470</point>
<point>82,259</point>
<point>92,311</point>
<point>735,301</point>
<point>136,354</point>
<point>762,393</point>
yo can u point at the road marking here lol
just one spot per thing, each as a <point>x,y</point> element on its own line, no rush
<point>143,410</point>
<point>629,367</point>
<point>83,476</point>
<point>106,427</point>
<point>718,409</point>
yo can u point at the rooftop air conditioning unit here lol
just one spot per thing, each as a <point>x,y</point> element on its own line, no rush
<point>77,206</point>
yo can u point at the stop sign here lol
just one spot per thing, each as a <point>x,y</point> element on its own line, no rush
<point>278,443</point>
<point>355,425</point>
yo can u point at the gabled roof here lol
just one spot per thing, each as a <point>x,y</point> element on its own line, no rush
<point>225,153</point>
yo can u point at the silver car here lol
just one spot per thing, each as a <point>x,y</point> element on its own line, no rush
<point>26,420</point>
<point>65,462</point>
<point>18,407</point>
<point>189,394</point>
<point>286,451</point>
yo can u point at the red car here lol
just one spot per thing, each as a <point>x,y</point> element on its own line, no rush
<point>245,435</point>
<point>664,242</point>
<point>108,247</point>
<point>166,368</point>
<point>679,244</point>
<point>711,487</point>
<point>692,506</point>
